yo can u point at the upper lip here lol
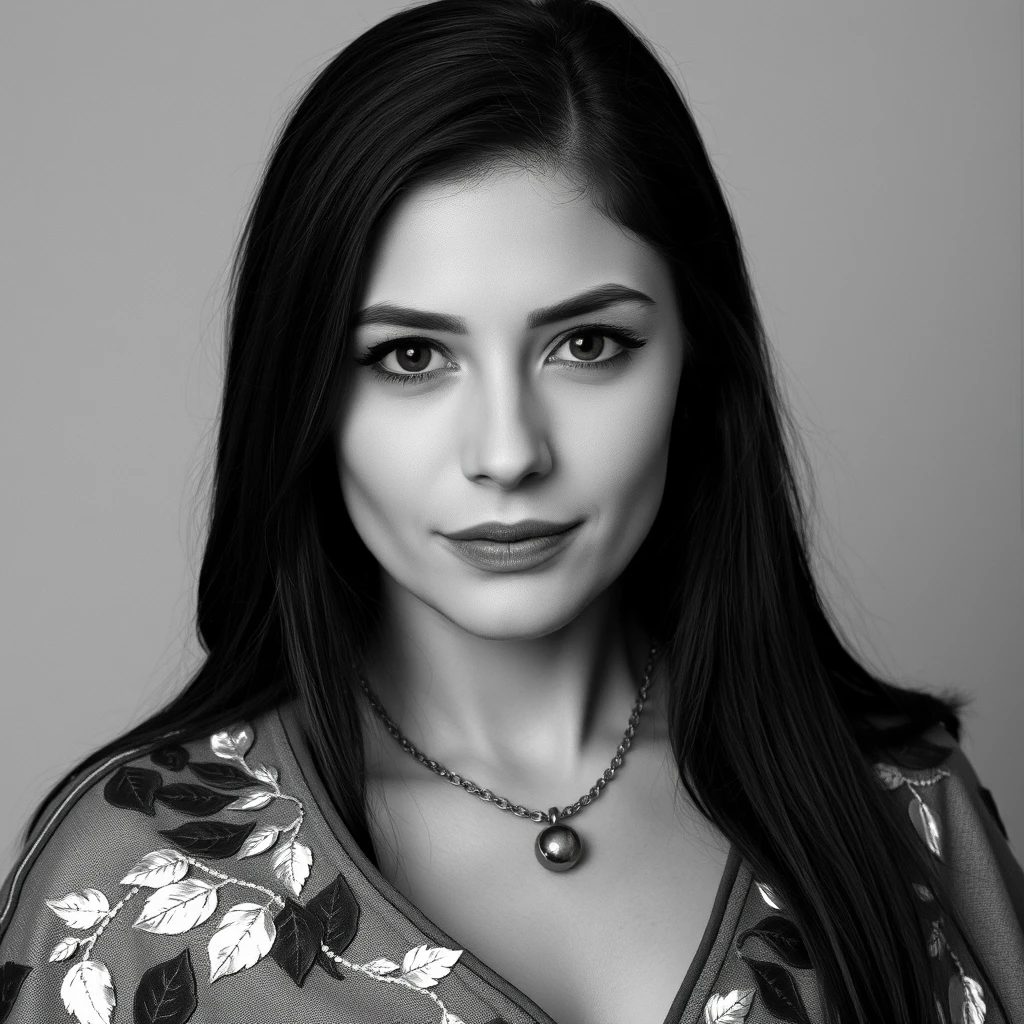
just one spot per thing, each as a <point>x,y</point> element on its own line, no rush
<point>511,531</point>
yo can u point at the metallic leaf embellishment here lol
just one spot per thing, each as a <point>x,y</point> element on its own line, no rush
<point>889,776</point>
<point>729,1009</point>
<point>936,940</point>
<point>12,976</point>
<point>133,788</point>
<point>83,909</point>
<point>167,992</point>
<point>157,869</point>
<point>425,965</point>
<point>382,965</point>
<point>778,991</point>
<point>782,937</point>
<point>768,895</point>
<point>64,949</point>
<point>245,935</point>
<point>221,774</point>
<point>265,773</point>
<point>261,839</point>
<point>88,992</point>
<point>215,839</point>
<point>291,864</point>
<point>254,801</point>
<point>299,934</point>
<point>966,1002</point>
<point>178,907</point>
<point>447,1017</point>
<point>188,798</point>
<point>924,822</point>
<point>923,892</point>
<point>234,743</point>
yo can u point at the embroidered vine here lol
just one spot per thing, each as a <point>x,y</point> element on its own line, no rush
<point>921,815</point>
<point>185,893</point>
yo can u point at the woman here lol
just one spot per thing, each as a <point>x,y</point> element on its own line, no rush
<point>489,280</point>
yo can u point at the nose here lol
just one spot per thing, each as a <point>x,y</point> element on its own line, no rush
<point>505,432</point>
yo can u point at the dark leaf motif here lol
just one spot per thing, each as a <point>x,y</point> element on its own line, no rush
<point>920,754</point>
<point>778,991</point>
<point>989,801</point>
<point>338,912</point>
<point>189,798</point>
<point>11,977</point>
<point>214,839</point>
<point>297,941</point>
<point>133,788</point>
<point>782,937</point>
<point>167,992</point>
<point>223,775</point>
<point>173,757</point>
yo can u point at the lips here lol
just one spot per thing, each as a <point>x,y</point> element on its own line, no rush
<point>510,532</point>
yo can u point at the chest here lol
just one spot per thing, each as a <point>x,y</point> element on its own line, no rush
<point>609,940</point>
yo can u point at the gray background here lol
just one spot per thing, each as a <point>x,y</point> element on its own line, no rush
<point>871,153</point>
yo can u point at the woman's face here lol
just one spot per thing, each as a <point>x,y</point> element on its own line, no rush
<point>499,413</point>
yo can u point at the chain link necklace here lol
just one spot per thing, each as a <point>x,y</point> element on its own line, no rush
<point>558,847</point>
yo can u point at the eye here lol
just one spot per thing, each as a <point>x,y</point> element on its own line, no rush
<point>588,344</point>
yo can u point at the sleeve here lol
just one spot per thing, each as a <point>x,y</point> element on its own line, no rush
<point>956,818</point>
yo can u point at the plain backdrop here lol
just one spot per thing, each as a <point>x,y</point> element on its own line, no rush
<point>871,153</point>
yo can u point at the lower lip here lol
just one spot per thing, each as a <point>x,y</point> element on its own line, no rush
<point>497,556</point>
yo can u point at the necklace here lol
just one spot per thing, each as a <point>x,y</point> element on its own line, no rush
<point>558,847</point>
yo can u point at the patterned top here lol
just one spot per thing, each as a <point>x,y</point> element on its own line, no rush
<point>214,882</point>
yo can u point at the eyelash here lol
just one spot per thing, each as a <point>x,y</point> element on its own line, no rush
<point>375,353</point>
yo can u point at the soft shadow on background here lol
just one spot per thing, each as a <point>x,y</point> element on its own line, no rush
<point>872,158</point>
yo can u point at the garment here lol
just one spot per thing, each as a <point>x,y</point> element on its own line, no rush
<point>202,882</point>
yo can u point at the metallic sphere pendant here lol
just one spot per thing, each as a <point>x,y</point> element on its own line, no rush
<point>558,847</point>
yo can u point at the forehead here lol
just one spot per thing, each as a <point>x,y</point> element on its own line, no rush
<point>508,242</point>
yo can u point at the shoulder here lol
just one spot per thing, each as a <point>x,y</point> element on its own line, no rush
<point>127,855</point>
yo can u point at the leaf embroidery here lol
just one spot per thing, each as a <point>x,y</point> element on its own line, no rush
<point>382,966</point>
<point>11,977</point>
<point>265,773</point>
<point>221,774</point>
<point>83,909</point>
<point>336,907</point>
<point>299,934</point>
<point>261,839</point>
<point>447,1017</point>
<point>778,991</point>
<point>133,788</point>
<point>923,892</point>
<point>889,776</point>
<point>215,839</point>
<point>171,757</point>
<point>768,895</point>
<point>936,940</point>
<point>157,869</point>
<point>234,743</point>
<point>254,801</point>
<point>924,822</point>
<point>782,936</point>
<point>88,992</point>
<point>425,966</point>
<point>729,1009</point>
<point>188,798</point>
<point>64,949</point>
<point>245,935</point>
<point>966,1002</point>
<point>178,907</point>
<point>291,864</point>
<point>167,992</point>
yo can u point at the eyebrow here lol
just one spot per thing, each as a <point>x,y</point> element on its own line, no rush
<point>577,305</point>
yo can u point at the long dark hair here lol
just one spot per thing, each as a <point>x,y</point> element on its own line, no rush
<point>774,721</point>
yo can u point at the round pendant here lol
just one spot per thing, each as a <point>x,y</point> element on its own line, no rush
<point>558,848</point>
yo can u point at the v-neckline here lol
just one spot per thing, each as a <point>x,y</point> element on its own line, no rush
<point>295,736</point>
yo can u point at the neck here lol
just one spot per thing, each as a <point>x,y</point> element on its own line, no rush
<point>543,708</point>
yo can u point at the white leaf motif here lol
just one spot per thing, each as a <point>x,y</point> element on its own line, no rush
<point>88,992</point>
<point>381,966</point>
<point>232,744</point>
<point>936,940</point>
<point>890,777</point>
<point>425,965</point>
<point>265,773</point>
<point>768,895</point>
<point>251,801</point>
<point>925,823</point>
<point>156,869</point>
<point>291,864</point>
<point>178,907</point>
<point>64,949</point>
<point>245,935</point>
<point>447,1017</point>
<point>260,839</point>
<point>729,1009</point>
<point>923,892</point>
<point>81,909</point>
<point>974,1002</point>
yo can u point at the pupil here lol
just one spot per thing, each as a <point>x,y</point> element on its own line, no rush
<point>590,350</point>
<point>404,355</point>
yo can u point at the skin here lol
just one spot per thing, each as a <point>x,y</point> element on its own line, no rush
<point>521,681</point>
